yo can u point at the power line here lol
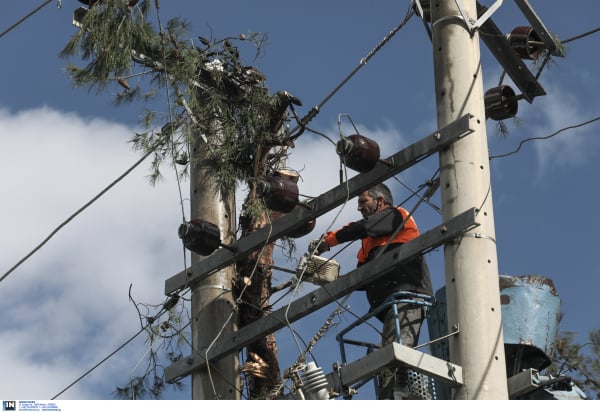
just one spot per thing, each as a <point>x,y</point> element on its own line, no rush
<point>101,362</point>
<point>149,321</point>
<point>587,33</point>
<point>81,209</point>
<point>414,193</point>
<point>545,137</point>
<point>548,55</point>
<point>38,8</point>
<point>315,110</point>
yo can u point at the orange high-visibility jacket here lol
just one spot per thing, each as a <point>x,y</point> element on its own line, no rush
<point>375,231</point>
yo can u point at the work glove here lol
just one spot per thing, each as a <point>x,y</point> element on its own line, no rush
<point>317,246</point>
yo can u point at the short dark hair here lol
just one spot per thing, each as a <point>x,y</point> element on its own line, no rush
<point>381,190</point>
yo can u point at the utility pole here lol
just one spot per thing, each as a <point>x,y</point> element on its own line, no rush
<point>212,303</point>
<point>472,282</point>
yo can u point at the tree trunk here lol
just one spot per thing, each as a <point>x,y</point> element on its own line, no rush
<point>253,290</point>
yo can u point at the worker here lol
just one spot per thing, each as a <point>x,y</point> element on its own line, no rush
<point>382,221</point>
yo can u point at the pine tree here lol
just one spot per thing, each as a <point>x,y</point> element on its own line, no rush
<point>580,361</point>
<point>211,95</point>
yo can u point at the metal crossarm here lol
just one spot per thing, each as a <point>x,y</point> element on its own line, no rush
<point>385,169</point>
<point>229,343</point>
<point>397,354</point>
<point>518,71</point>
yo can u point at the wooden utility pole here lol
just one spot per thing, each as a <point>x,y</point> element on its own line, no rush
<point>212,303</point>
<point>470,262</point>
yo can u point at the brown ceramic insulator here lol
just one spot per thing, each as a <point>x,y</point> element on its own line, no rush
<point>200,236</point>
<point>303,230</point>
<point>526,42</point>
<point>500,103</point>
<point>358,152</point>
<point>280,193</point>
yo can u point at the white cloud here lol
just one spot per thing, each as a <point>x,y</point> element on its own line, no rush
<point>67,306</point>
<point>570,147</point>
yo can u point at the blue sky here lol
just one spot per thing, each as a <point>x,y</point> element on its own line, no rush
<point>67,306</point>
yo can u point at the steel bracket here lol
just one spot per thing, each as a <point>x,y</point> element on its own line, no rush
<point>475,25</point>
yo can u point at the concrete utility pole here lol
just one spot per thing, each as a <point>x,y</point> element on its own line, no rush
<point>212,301</point>
<point>472,282</point>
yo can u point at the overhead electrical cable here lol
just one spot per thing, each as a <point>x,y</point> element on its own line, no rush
<point>295,133</point>
<point>81,209</point>
<point>149,321</point>
<point>579,36</point>
<point>21,20</point>
<point>110,355</point>
<point>548,56</point>
<point>170,106</point>
<point>545,137</point>
<point>414,193</point>
<point>127,342</point>
<point>172,140</point>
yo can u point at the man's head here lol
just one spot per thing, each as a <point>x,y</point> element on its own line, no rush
<point>374,199</point>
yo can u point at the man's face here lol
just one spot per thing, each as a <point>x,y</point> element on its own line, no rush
<point>367,205</point>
